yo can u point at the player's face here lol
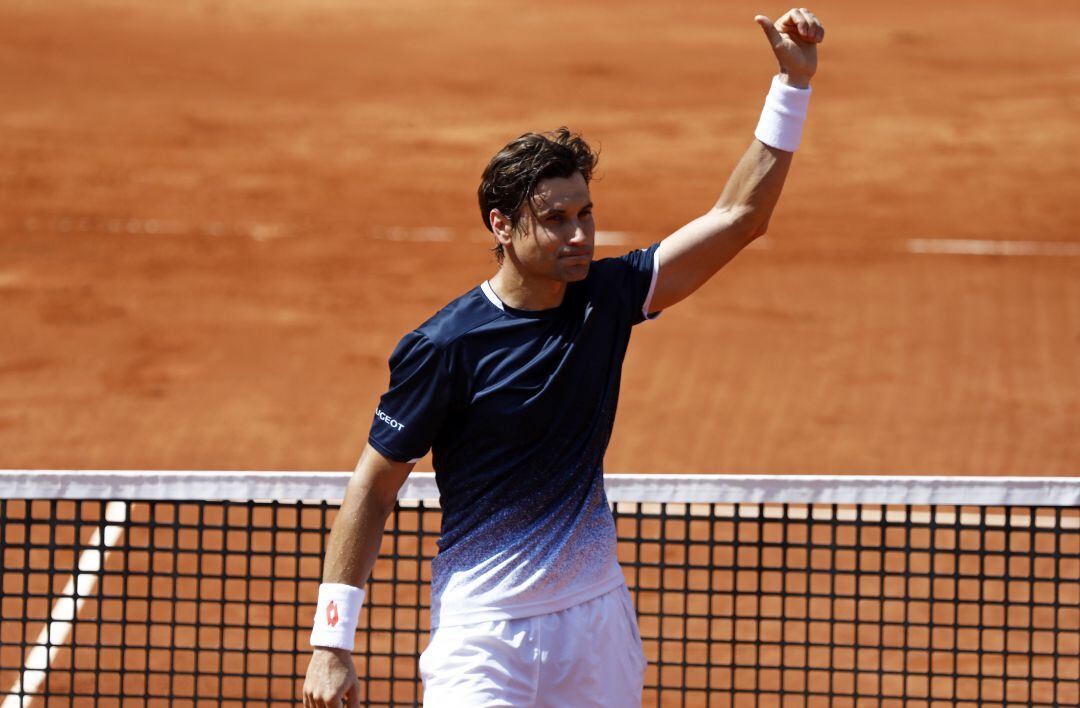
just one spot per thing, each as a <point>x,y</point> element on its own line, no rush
<point>555,238</point>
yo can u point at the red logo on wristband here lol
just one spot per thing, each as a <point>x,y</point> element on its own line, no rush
<point>332,614</point>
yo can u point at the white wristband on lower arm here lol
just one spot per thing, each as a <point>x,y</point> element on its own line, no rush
<point>336,615</point>
<point>782,118</point>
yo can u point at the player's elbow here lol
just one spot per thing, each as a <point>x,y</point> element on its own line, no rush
<point>743,222</point>
<point>371,499</point>
<point>382,499</point>
<point>761,229</point>
<point>753,223</point>
<point>375,488</point>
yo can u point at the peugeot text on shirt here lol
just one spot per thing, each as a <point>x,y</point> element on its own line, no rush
<point>388,420</point>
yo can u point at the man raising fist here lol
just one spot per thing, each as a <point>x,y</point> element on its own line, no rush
<point>514,386</point>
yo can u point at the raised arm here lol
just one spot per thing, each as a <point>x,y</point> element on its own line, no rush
<point>351,551</point>
<point>691,255</point>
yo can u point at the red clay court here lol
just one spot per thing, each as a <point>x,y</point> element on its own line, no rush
<point>217,218</point>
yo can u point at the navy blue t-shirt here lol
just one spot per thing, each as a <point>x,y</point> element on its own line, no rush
<point>517,407</point>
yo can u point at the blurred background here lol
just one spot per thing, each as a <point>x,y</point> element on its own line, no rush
<point>218,217</point>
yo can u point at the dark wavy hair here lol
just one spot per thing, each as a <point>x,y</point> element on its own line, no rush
<point>510,178</point>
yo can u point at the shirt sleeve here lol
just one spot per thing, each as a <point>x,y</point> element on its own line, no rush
<point>637,275</point>
<point>412,410</point>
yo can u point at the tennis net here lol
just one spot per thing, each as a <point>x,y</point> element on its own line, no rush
<point>177,588</point>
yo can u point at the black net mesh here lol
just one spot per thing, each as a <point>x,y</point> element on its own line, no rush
<point>211,602</point>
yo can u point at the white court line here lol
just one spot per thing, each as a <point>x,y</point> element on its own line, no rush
<point>612,238</point>
<point>267,231</point>
<point>153,227</point>
<point>983,247</point>
<point>444,233</point>
<point>414,233</point>
<point>918,246</point>
<point>55,634</point>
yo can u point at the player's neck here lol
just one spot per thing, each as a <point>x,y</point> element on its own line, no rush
<point>523,291</point>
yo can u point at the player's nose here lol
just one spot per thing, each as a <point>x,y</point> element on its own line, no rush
<point>580,234</point>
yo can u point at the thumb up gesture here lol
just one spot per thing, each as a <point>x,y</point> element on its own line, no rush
<point>794,39</point>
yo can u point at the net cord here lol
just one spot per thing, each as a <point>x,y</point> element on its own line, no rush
<point>666,488</point>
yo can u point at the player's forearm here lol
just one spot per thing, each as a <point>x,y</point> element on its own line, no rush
<point>356,534</point>
<point>355,537</point>
<point>743,210</point>
<point>694,253</point>
<point>352,549</point>
<point>751,193</point>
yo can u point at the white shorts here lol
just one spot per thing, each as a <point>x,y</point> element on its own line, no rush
<point>586,655</point>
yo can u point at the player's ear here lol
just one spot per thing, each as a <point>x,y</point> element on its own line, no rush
<point>501,227</point>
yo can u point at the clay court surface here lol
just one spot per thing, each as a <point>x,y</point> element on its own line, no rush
<point>217,218</point>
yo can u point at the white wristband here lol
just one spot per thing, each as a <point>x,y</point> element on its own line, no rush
<point>336,615</point>
<point>782,118</point>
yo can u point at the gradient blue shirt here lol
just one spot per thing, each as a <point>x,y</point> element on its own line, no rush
<point>517,407</point>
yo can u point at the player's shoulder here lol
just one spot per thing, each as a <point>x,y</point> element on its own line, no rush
<point>637,259</point>
<point>457,318</point>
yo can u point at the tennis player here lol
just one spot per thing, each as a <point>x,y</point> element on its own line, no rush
<point>513,386</point>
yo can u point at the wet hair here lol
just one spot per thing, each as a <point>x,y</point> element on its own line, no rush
<point>510,178</point>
